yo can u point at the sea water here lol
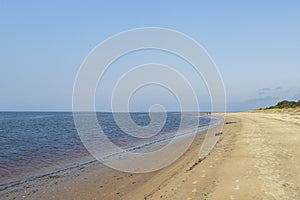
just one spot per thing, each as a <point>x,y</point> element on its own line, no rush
<point>35,143</point>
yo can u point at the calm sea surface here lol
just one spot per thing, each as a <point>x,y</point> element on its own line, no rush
<point>34,143</point>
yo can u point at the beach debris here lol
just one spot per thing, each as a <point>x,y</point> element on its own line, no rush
<point>219,133</point>
<point>230,122</point>
<point>194,165</point>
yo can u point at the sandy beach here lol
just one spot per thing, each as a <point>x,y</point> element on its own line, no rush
<point>256,157</point>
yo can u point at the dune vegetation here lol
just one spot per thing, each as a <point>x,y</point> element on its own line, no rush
<point>283,106</point>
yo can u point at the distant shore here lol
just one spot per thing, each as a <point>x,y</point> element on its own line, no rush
<point>282,107</point>
<point>278,110</point>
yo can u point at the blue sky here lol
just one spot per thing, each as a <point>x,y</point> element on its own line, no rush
<point>255,44</point>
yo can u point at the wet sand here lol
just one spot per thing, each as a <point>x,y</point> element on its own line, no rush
<point>257,157</point>
<point>96,181</point>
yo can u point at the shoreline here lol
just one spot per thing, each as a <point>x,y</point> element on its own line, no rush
<point>74,178</point>
<point>64,183</point>
<point>256,157</point>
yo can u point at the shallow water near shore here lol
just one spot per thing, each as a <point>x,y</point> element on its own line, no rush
<point>37,143</point>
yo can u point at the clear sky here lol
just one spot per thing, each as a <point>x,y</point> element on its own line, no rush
<point>255,44</point>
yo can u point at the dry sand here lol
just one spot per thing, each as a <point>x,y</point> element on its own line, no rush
<point>257,157</point>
